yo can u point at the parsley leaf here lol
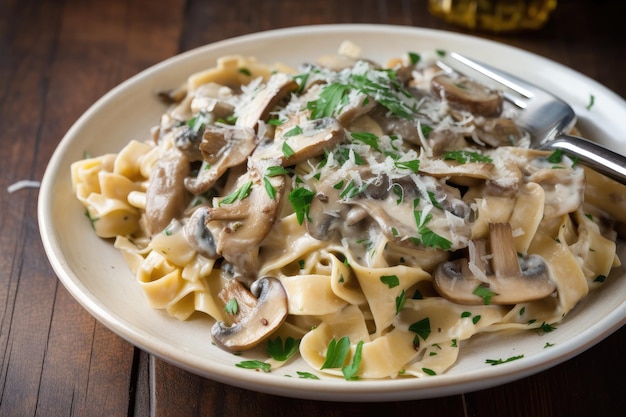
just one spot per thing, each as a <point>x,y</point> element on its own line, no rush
<point>349,371</point>
<point>255,364</point>
<point>282,351</point>
<point>294,131</point>
<point>330,100</point>
<point>414,57</point>
<point>232,307</point>
<point>485,293</point>
<point>390,280</point>
<point>463,156</point>
<point>336,353</point>
<point>501,361</point>
<point>306,375</point>
<point>400,301</point>
<point>367,138</point>
<point>301,199</point>
<point>239,194</point>
<point>288,152</point>
<point>421,328</point>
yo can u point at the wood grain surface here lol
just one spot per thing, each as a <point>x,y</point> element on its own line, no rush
<point>59,56</point>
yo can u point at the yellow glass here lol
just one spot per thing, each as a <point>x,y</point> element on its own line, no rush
<point>494,15</point>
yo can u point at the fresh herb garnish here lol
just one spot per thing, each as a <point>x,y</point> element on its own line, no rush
<point>306,375</point>
<point>239,194</point>
<point>282,351</point>
<point>301,199</point>
<point>349,371</point>
<point>245,71</point>
<point>232,307</point>
<point>501,361</point>
<point>463,156</point>
<point>288,152</point>
<point>400,301</point>
<point>485,293</point>
<point>390,280</point>
<point>255,364</point>
<point>294,131</point>
<point>336,353</point>
<point>421,328</point>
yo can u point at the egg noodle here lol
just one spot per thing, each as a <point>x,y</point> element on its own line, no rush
<point>369,218</point>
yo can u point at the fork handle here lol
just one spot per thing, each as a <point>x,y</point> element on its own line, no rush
<point>591,154</point>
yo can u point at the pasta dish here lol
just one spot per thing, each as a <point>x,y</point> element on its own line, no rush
<point>369,218</point>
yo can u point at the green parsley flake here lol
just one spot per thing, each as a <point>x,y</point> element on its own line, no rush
<point>300,199</point>
<point>485,293</point>
<point>282,351</point>
<point>294,131</point>
<point>463,157</point>
<point>232,307</point>
<point>421,328</point>
<point>306,375</point>
<point>349,371</point>
<point>414,57</point>
<point>255,364</point>
<point>493,362</point>
<point>336,353</point>
<point>400,301</point>
<point>239,194</point>
<point>390,280</point>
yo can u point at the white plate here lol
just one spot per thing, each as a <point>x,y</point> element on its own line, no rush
<point>96,275</point>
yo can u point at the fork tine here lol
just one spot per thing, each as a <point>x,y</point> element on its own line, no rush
<point>512,82</point>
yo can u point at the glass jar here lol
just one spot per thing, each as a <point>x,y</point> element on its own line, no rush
<point>494,15</point>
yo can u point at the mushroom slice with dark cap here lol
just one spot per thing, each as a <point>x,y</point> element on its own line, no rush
<point>258,313</point>
<point>504,276</point>
<point>296,143</point>
<point>222,147</point>
<point>166,197</point>
<point>257,103</point>
<point>461,93</point>
<point>238,227</point>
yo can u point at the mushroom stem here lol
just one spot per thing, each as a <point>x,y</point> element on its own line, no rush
<point>508,280</point>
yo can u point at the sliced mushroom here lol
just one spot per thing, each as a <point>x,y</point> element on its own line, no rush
<point>222,147</point>
<point>199,236</point>
<point>462,93</point>
<point>166,196</point>
<point>239,228</point>
<point>257,103</point>
<point>498,132</point>
<point>259,312</point>
<point>505,277</point>
<point>295,143</point>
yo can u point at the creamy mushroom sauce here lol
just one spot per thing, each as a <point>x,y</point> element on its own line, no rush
<point>392,205</point>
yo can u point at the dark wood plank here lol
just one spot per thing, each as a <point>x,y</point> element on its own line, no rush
<point>193,395</point>
<point>60,58</point>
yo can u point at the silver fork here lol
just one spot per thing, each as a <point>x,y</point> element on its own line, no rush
<point>547,119</point>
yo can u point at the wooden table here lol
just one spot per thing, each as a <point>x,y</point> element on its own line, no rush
<point>58,56</point>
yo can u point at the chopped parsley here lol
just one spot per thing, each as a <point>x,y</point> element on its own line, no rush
<point>414,57</point>
<point>232,307</point>
<point>485,293</point>
<point>400,301</point>
<point>421,328</point>
<point>463,157</point>
<point>413,165</point>
<point>294,131</point>
<point>369,139</point>
<point>255,364</point>
<point>592,101</point>
<point>336,353</point>
<point>288,152</point>
<point>501,361</point>
<point>349,371</point>
<point>306,375</point>
<point>300,199</point>
<point>245,71</point>
<point>282,351</point>
<point>390,280</point>
<point>428,237</point>
<point>239,194</point>
<point>331,99</point>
